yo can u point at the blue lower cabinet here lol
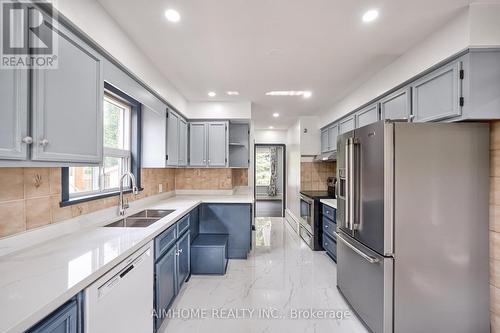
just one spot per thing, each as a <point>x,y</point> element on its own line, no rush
<point>330,246</point>
<point>63,320</point>
<point>183,247</point>
<point>233,220</point>
<point>209,254</point>
<point>165,284</point>
<point>194,223</point>
<point>329,227</point>
<point>183,225</point>
<point>329,212</point>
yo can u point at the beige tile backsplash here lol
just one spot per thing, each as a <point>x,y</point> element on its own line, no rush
<point>313,175</point>
<point>30,197</point>
<point>240,177</point>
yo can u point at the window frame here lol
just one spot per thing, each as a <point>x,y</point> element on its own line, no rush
<point>134,153</point>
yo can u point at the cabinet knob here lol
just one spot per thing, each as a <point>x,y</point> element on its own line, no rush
<point>44,142</point>
<point>27,140</point>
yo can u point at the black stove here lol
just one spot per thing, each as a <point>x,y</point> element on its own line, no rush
<point>317,195</point>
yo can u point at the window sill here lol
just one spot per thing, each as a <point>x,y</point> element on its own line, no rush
<point>74,201</point>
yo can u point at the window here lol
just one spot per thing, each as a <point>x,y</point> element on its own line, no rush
<point>121,119</point>
<point>263,166</point>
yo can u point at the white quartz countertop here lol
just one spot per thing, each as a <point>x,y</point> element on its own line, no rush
<point>330,202</point>
<point>37,280</point>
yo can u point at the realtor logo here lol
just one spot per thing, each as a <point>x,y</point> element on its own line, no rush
<point>28,37</point>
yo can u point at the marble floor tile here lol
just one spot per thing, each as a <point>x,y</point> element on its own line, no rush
<point>264,293</point>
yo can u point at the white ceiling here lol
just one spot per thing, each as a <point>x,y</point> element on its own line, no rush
<point>261,45</point>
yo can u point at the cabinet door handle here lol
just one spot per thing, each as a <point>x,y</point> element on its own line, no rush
<point>44,142</point>
<point>27,140</point>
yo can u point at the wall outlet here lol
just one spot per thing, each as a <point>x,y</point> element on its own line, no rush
<point>160,188</point>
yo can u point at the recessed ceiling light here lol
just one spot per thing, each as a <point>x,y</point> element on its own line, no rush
<point>305,94</point>
<point>276,115</point>
<point>370,15</point>
<point>232,93</point>
<point>271,127</point>
<point>212,94</point>
<point>172,15</point>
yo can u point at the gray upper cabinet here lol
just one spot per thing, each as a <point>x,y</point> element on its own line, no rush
<point>154,138</point>
<point>346,124</point>
<point>436,96</point>
<point>367,115</point>
<point>14,114</point>
<point>67,105</point>
<point>397,106</point>
<point>208,144</point>
<point>217,144</point>
<point>333,132</point>
<point>197,144</point>
<point>239,143</point>
<point>324,140</point>
<point>183,143</point>
<point>172,139</point>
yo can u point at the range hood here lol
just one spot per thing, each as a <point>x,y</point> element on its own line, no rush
<point>326,157</point>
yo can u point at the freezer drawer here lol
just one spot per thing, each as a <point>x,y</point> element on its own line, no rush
<point>365,280</point>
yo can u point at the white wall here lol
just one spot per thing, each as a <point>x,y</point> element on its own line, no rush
<point>91,18</point>
<point>219,110</point>
<point>293,169</point>
<point>270,136</point>
<point>484,25</point>
<point>310,138</point>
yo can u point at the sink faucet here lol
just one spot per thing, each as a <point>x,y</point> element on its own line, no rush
<point>122,205</point>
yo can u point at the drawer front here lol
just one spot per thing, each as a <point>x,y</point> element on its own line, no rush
<point>330,245</point>
<point>182,225</point>
<point>165,240</point>
<point>329,212</point>
<point>329,227</point>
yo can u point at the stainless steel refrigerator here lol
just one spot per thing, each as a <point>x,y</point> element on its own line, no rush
<point>412,226</point>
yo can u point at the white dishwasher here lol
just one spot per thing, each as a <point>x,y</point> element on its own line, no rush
<point>122,300</point>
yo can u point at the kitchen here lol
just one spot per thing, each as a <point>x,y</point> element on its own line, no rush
<point>127,159</point>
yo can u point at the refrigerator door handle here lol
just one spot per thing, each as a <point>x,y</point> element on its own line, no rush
<point>355,174</point>
<point>347,185</point>
<point>370,259</point>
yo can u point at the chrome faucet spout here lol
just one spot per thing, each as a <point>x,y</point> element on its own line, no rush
<point>122,206</point>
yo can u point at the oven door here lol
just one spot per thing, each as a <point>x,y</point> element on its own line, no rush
<point>307,213</point>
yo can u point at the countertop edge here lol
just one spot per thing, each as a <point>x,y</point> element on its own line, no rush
<point>329,202</point>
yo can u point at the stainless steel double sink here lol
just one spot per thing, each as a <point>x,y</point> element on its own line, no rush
<point>141,219</point>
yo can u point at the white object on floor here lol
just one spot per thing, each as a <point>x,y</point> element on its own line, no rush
<point>280,277</point>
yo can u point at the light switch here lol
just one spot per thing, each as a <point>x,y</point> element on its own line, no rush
<point>160,188</point>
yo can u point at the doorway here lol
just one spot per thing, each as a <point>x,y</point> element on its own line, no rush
<point>269,180</point>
